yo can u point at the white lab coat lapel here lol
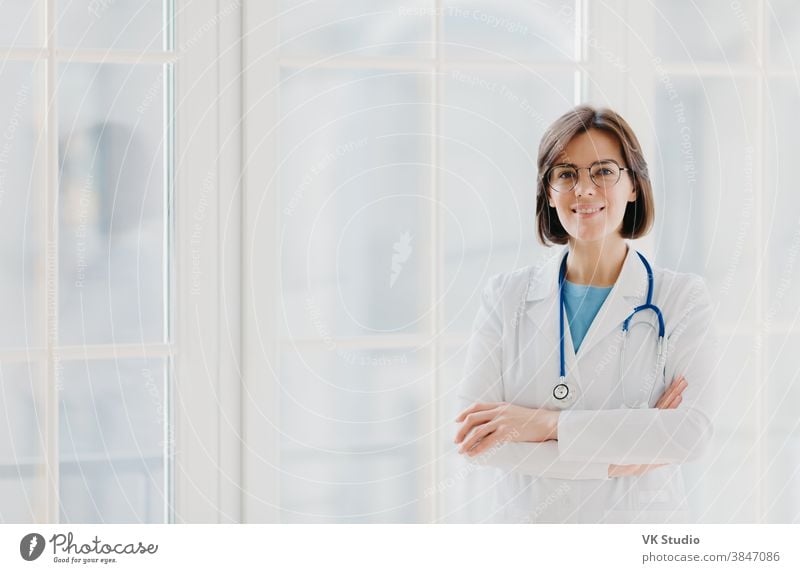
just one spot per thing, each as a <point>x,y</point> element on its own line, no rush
<point>543,309</point>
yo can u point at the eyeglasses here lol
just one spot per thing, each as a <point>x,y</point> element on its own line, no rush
<point>563,178</point>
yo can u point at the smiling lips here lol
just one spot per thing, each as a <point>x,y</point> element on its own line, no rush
<point>587,210</point>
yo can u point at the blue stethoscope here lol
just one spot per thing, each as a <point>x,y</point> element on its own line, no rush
<point>561,391</point>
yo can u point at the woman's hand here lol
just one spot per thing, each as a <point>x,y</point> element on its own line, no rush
<point>485,425</point>
<point>669,400</point>
<point>671,397</point>
<point>631,469</point>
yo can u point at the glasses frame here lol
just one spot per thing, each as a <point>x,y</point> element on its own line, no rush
<point>578,169</point>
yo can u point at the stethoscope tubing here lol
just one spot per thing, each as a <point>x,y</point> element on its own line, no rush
<point>561,390</point>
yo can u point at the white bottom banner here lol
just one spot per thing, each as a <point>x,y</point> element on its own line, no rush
<point>620,548</point>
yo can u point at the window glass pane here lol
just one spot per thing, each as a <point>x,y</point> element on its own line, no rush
<point>712,30</point>
<point>353,433</point>
<point>782,204</point>
<point>492,123</point>
<point>362,27</point>
<point>705,189</point>
<point>705,184</point>
<point>21,456</point>
<point>465,492</point>
<point>782,308</point>
<point>112,24</point>
<point>782,443</point>
<point>722,484</point>
<point>476,29</point>
<point>784,33</point>
<point>112,441</point>
<point>21,303</point>
<point>726,493</point>
<point>111,203</point>
<point>354,179</point>
<point>782,486</point>
<point>18,20</point>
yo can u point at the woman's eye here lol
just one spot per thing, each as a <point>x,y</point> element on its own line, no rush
<point>566,175</point>
<point>604,171</point>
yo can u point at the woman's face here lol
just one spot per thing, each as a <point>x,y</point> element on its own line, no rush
<point>583,150</point>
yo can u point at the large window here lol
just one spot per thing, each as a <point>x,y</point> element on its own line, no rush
<point>85,203</point>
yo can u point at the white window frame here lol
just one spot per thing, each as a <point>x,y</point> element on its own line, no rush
<point>260,400</point>
<point>206,404</point>
<point>202,314</point>
<point>51,354</point>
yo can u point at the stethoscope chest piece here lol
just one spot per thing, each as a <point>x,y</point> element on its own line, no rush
<point>561,391</point>
<point>565,395</point>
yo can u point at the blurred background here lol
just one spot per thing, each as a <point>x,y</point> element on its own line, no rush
<point>393,172</point>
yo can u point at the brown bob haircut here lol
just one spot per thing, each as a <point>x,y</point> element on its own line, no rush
<point>639,215</point>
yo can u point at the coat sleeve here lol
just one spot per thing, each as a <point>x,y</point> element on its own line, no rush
<point>650,435</point>
<point>482,381</point>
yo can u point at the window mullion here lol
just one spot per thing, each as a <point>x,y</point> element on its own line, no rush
<point>260,218</point>
<point>433,508</point>
<point>50,275</point>
<point>605,51</point>
<point>761,239</point>
<point>639,82</point>
<point>229,203</point>
<point>200,386</point>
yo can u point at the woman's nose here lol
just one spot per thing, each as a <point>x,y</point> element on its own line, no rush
<point>584,185</point>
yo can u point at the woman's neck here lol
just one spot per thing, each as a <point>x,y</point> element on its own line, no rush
<point>596,263</point>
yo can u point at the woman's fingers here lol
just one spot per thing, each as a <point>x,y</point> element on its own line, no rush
<point>666,397</point>
<point>477,407</point>
<point>476,436</point>
<point>622,470</point>
<point>669,396</point>
<point>475,415</point>
<point>485,444</point>
<point>675,402</point>
<point>631,469</point>
<point>662,399</point>
<point>471,421</point>
<point>643,469</point>
<point>675,389</point>
<point>677,394</point>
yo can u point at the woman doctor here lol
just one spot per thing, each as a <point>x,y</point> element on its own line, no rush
<point>605,442</point>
